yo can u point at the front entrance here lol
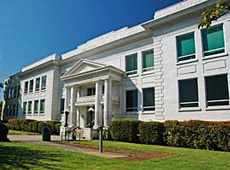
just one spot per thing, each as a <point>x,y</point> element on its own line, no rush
<point>90,117</point>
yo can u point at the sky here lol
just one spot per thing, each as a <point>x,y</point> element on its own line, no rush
<point>33,29</point>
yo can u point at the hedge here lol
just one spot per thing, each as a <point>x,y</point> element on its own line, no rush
<point>125,130</point>
<point>33,125</point>
<point>152,132</point>
<point>3,133</point>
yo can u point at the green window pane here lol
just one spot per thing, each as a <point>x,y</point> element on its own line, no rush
<point>36,106</point>
<point>43,82</point>
<point>37,84</point>
<point>148,59</point>
<point>29,106</point>
<point>148,99</point>
<point>213,40</point>
<point>24,107</point>
<point>131,64</point>
<point>42,106</point>
<point>131,100</point>
<point>31,85</point>
<point>26,87</point>
<point>186,47</point>
<point>188,93</point>
<point>62,106</point>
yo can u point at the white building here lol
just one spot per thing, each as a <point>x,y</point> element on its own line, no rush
<point>164,69</point>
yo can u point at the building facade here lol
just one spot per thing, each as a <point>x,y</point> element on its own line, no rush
<point>163,69</point>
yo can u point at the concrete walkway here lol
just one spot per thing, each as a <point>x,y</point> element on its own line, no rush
<point>36,139</point>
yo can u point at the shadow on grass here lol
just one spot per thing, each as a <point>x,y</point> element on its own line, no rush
<point>20,157</point>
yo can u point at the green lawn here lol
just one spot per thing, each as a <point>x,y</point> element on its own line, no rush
<point>16,132</point>
<point>29,156</point>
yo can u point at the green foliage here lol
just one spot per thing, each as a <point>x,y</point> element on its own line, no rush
<point>213,13</point>
<point>125,130</point>
<point>3,132</point>
<point>199,134</point>
<point>152,132</point>
<point>33,125</point>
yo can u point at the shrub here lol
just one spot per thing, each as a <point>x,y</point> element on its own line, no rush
<point>20,124</point>
<point>41,125</point>
<point>199,134</point>
<point>57,128</point>
<point>125,130</point>
<point>152,132</point>
<point>3,133</point>
<point>35,126</point>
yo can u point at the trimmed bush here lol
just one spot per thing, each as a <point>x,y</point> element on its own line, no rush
<point>199,134</point>
<point>152,132</point>
<point>41,126</point>
<point>125,130</point>
<point>57,128</point>
<point>35,126</point>
<point>3,133</point>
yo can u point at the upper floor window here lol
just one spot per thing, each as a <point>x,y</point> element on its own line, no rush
<point>31,85</point>
<point>62,108</point>
<point>188,93</point>
<point>213,40</point>
<point>131,100</point>
<point>26,87</point>
<point>147,60</point>
<point>37,85</point>
<point>42,106</point>
<point>217,93</point>
<point>148,99</point>
<point>185,47</point>
<point>131,64</point>
<point>91,91</point>
<point>36,106</point>
<point>43,82</point>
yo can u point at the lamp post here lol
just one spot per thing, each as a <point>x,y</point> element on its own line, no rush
<point>66,118</point>
<point>101,139</point>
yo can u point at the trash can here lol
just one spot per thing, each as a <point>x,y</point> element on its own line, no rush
<point>46,134</point>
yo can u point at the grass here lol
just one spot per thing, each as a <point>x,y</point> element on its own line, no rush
<point>29,156</point>
<point>16,132</point>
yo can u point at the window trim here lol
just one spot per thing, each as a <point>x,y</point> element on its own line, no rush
<point>142,98</point>
<point>29,112</point>
<point>148,69</point>
<point>37,88</point>
<point>36,111</point>
<point>26,89</point>
<point>126,111</point>
<point>43,87</point>
<point>31,89</point>
<point>42,111</point>
<point>132,72</point>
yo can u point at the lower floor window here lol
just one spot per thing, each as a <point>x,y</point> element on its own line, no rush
<point>29,107</point>
<point>36,106</point>
<point>188,93</point>
<point>62,106</point>
<point>24,107</point>
<point>217,93</point>
<point>42,106</point>
<point>131,101</point>
<point>148,99</point>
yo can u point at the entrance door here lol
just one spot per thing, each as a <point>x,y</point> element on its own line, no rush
<point>90,117</point>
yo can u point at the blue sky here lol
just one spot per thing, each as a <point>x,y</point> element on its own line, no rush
<point>33,29</point>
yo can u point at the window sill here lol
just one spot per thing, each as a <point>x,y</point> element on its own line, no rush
<point>147,72</point>
<point>190,109</point>
<point>131,113</point>
<point>187,62</point>
<point>133,75</point>
<point>214,56</point>
<point>147,112</point>
<point>217,108</point>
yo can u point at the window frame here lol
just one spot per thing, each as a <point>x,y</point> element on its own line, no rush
<point>37,88</point>
<point>126,108</point>
<point>42,111</point>
<point>142,58</point>
<point>36,111</point>
<point>132,72</point>
<point>43,82</point>
<point>29,112</point>
<point>26,85</point>
<point>154,106</point>
<point>31,86</point>
<point>25,107</point>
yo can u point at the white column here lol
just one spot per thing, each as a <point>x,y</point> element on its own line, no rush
<point>98,107</point>
<point>67,98</point>
<point>108,102</point>
<point>78,109</point>
<point>72,106</point>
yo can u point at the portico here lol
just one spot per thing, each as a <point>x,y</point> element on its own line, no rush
<point>92,94</point>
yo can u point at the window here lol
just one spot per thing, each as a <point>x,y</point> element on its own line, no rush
<point>62,106</point>
<point>148,99</point>
<point>147,60</point>
<point>29,107</point>
<point>213,40</point>
<point>15,91</point>
<point>18,90</point>
<point>43,82</point>
<point>12,92</point>
<point>24,107</point>
<point>131,64</point>
<point>186,47</point>
<point>42,106</point>
<point>91,91</point>
<point>131,101</point>
<point>217,90</point>
<point>31,85</point>
<point>26,87</point>
<point>188,93</point>
<point>37,86</point>
<point>36,106</point>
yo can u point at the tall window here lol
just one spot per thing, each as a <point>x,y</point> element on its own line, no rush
<point>188,93</point>
<point>31,85</point>
<point>37,86</point>
<point>62,108</point>
<point>24,107</point>
<point>131,64</point>
<point>91,91</point>
<point>148,99</point>
<point>42,106</point>
<point>213,40</point>
<point>217,93</point>
<point>36,106</point>
<point>29,107</point>
<point>147,60</point>
<point>43,82</point>
<point>26,87</point>
<point>131,101</point>
<point>186,47</point>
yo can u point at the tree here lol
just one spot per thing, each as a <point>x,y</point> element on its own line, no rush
<point>213,13</point>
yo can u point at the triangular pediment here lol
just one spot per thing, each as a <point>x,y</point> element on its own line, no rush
<point>83,66</point>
